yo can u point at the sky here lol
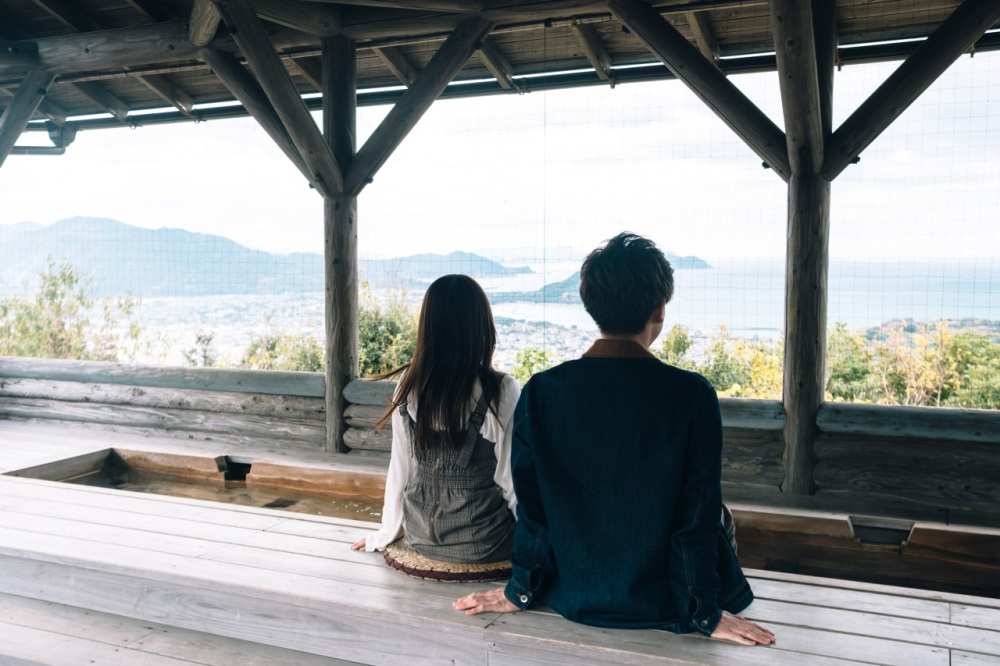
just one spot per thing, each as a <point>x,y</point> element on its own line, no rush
<point>555,170</point>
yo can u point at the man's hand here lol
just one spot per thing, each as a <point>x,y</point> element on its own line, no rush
<point>485,602</point>
<point>360,545</point>
<point>738,630</point>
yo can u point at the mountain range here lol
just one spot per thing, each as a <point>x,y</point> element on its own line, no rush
<point>148,263</point>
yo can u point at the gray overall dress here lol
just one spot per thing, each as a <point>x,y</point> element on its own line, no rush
<point>452,508</point>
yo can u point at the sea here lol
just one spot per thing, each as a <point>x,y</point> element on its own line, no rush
<point>744,297</point>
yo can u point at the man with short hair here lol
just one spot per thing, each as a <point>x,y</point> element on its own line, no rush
<point>617,464</point>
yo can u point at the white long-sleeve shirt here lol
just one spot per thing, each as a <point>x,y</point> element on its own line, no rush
<point>497,428</point>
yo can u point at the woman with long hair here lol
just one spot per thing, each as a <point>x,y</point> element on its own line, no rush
<point>448,492</point>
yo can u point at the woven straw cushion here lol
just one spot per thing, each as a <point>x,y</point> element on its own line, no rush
<point>403,558</point>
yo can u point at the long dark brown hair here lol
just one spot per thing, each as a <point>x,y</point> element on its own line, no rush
<point>455,342</point>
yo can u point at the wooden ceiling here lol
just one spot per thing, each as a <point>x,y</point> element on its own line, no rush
<point>132,62</point>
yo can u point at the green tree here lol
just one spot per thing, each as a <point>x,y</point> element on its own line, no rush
<point>283,351</point>
<point>529,361</point>
<point>202,354</point>
<point>387,334</point>
<point>675,346</point>
<point>849,367</point>
<point>62,320</point>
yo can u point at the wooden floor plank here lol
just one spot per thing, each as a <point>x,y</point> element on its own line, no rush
<point>535,638</point>
<point>906,631</point>
<point>959,658</point>
<point>142,640</point>
<point>882,604</point>
<point>347,622</point>
<point>38,646</point>
<point>975,616</point>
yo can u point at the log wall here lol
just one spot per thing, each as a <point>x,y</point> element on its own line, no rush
<point>250,408</point>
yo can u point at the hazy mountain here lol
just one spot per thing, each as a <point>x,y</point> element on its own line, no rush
<point>148,263</point>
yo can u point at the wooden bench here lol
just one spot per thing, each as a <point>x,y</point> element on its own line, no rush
<point>290,581</point>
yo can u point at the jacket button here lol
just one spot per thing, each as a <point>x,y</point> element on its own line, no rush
<point>704,623</point>
<point>523,598</point>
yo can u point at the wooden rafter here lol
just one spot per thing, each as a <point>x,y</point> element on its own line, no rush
<point>398,64</point>
<point>156,12</point>
<point>19,112</point>
<point>704,37</point>
<point>68,15</point>
<point>403,117</point>
<point>100,96</point>
<point>311,69</point>
<point>594,49</point>
<point>169,93</point>
<point>277,84</point>
<point>953,37</point>
<point>497,64</point>
<point>719,93</point>
<point>203,23</point>
<point>249,93</point>
<point>309,17</point>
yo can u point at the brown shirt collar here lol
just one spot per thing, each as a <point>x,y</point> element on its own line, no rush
<point>613,348</point>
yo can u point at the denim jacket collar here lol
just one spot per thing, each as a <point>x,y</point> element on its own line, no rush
<point>617,348</point>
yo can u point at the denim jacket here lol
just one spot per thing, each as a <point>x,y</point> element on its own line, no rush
<point>616,461</point>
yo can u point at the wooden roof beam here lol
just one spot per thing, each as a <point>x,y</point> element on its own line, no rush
<point>708,83</point>
<point>68,15</point>
<point>398,64</point>
<point>203,22</point>
<point>169,93</point>
<point>798,79</point>
<point>594,49</point>
<point>704,37</point>
<point>953,37</point>
<point>253,98</point>
<point>408,110</point>
<point>310,17</point>
<point>497,64</point>
<point>19,112</point>
<point>18,53</point>
<point>100,96</point>
<point>278,86</point>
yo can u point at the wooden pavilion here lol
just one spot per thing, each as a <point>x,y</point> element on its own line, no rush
<point>880,494</point>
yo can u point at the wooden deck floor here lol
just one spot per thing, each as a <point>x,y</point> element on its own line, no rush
<point>272,583</point>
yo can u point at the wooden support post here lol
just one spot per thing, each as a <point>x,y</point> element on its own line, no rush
<point>340,236</point>
<point>20,110</point>
<point>249,93</point>
<point>277,84</point>
<point>806,268</point>
<point>719,93</point>
<point>805,95</point>
<point>410,108</point>
<point>311,70</point>
<point>951,39</point>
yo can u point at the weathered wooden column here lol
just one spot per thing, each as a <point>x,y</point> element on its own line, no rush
<point>806,81</point>
<point>340,232</point>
